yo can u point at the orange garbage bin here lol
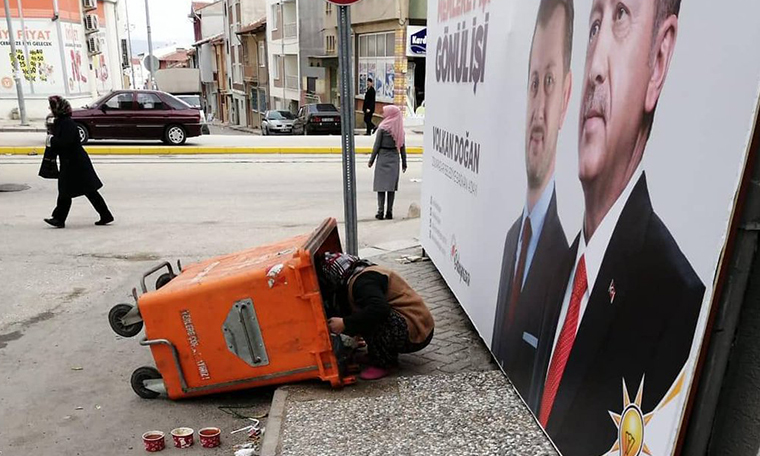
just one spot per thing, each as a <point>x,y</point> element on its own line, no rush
<point>248,319</point>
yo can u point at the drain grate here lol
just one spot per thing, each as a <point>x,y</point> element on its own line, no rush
<point>13,187</point>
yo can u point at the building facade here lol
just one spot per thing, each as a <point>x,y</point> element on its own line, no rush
<point>238,14</point>
<point>68,47</point>
<point>388,45</point>
<point>209,20</point>
<point>255,70</point>
<point>294,35</point>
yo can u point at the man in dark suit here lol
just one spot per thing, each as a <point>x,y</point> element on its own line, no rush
<point>536,239</point>
<point>628,300</point>
<point>368,107</point>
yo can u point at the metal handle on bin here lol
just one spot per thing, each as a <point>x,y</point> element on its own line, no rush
<point>165,264</point>
<point>244,322</point>
<point>175,355</point>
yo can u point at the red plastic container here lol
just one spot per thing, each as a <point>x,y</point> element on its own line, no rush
<point>183,437</point>
<point>210,437</point>
<point>154,441</point>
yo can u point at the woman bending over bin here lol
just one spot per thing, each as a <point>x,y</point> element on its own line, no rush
<point>380,307</point>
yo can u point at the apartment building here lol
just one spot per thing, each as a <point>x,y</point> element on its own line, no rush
<point>255,70</point>
<point>294,34</point>
<point>238,14</point>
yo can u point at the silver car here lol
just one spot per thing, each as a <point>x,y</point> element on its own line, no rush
<point>275,122</point>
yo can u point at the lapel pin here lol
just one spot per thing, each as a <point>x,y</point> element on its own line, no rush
<point>611,290</point>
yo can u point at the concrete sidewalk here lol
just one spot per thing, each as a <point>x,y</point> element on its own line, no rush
<point>447,399</point>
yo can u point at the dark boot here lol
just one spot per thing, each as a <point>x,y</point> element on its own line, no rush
<point>389,215</point>
<point>380,205</point>
<point>55,222</point>
<point>391,199</point>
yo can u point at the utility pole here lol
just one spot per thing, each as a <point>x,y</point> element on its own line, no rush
<point>129,46</point>
<point>151,83</point>
<point>25,41</point>
<point>16,70</point>
<point>347,128</point>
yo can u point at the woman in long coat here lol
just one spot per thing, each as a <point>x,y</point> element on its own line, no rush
<point>77,176</point>
<point>389,145</point>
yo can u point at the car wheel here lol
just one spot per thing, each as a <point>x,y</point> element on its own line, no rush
<point>175,135</point>
<point>84,135</point>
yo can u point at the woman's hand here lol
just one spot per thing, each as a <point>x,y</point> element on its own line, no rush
<point>369,165</point>
<point>336,325</point>
<point>403,169</point>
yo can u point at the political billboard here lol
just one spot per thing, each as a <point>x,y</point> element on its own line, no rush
<point>582,165</point>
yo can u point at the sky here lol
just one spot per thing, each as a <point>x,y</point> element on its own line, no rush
<point>168,19</point>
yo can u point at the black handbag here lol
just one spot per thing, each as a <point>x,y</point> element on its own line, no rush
<point>49,166</point>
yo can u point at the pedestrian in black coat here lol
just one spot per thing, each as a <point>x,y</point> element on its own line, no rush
<point>77,176</point>
<point>368,107</point>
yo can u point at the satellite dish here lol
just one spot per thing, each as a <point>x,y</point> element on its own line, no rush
<point>151,63</point>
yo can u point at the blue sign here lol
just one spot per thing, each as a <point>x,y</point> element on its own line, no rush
<point>418,42</point>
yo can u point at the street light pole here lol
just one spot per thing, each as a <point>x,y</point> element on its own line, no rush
<point>129,46</point>
<point>150,45</point>
<point>347,128</point>
<point>16,71</point>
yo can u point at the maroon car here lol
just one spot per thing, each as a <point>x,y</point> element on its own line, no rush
<point>138,114</point>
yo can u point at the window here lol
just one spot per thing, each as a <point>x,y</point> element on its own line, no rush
<point>277,66</point>
<point>262,100</point>
<point>149,101</point>
<point>275,17</point>
<point>330,44</point>
<point>262,54</point>
<point>311,84</point>
<point>376,61</point>
<point>237,65</point>
<point>122,101</point>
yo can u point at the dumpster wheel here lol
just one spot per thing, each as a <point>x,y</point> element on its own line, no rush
<point>163,279</point>
<point>139,376</point>
<point>115,320</point>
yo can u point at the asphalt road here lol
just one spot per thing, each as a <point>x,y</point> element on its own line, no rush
<point>64,375</point>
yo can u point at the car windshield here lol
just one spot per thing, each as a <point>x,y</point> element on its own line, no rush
<point>281,115</point>
<point>325,107</point>
<point>192,100</point>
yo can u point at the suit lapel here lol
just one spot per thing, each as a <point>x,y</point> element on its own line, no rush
<point>500,347</point>
<point>599,317</point>
<point>555,296</point>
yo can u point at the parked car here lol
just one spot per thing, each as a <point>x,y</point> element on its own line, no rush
<point>277,122</point>
<point>195,102</point>
<point>317,118</point>
<point>138,114</point>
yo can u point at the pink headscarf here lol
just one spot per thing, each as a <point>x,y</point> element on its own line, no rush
<point>393,123</point>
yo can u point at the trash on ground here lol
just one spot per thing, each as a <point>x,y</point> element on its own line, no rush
<point>77,368</point>
<point>79,408</point>
<point>407,259</point>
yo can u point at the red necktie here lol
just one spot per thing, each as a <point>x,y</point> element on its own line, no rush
<point>564,343</point>
<point>517,281</point>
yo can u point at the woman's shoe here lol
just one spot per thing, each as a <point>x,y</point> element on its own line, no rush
<point>389,216</point>
<point>55,222</point>
<point>379,215</point>
<point>373,373</point>
<point>104,221</point>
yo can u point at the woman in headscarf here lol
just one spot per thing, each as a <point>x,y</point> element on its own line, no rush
<point>77,176</point>
<point>389,145</point>
<point>379,306</point>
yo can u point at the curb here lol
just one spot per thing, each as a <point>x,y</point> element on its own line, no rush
<point>274,423</point>
<point>198,150</point>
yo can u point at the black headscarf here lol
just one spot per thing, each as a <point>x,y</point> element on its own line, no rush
<point>59,106</point>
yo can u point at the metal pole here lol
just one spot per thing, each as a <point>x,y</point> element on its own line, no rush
<point>347,128</point>
<point>151,84</point>
<point>129,47</point>
<point>25,41</point>
<point>16,76</point>
<point>61,51</point>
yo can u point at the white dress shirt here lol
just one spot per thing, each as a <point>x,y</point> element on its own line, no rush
<point>594,252</point>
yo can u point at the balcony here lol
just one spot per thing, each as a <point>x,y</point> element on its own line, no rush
<point>291,82</point>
